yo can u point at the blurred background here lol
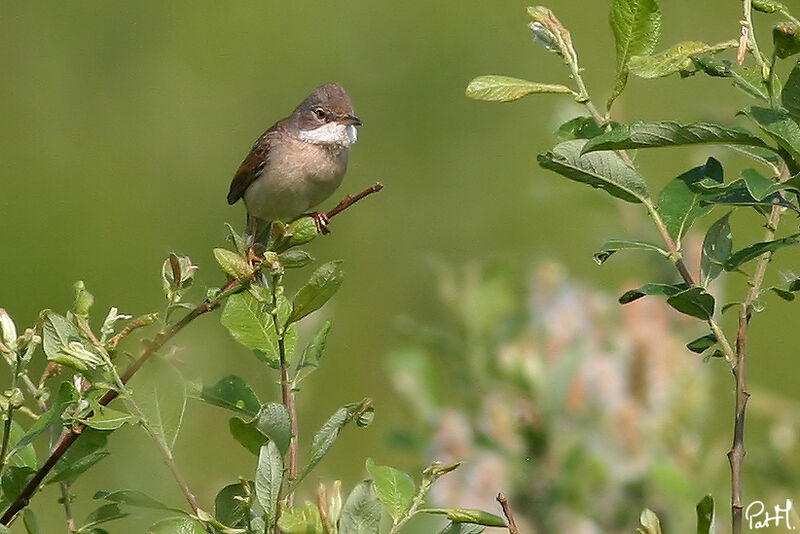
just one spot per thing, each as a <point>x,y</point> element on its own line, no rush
<point>123,123</point>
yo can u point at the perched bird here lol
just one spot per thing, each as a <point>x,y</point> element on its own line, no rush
<point>299,162</point>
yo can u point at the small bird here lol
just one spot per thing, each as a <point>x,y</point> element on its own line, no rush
<point>299,162</point>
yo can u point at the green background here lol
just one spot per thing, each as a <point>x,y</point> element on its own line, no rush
<point>122,124</point>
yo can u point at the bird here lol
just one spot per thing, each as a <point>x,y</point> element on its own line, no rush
<point>297,163</point>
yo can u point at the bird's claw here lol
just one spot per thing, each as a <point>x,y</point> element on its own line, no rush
<point>322,221</point>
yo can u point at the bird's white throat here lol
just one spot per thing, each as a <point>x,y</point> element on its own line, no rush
<point>331,133</point>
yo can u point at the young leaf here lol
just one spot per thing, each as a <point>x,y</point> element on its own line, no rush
<point>650,289</point>
<point>76,468</point>
<point>313,351</point>
<point>667,133</point>
<point>251,324</point>
<point>462,528</point>
<point>753,251</point>
<point>786,39</point>
<point>613,245</point>
<point>247,434</point>
<point>782,293</point>
<point>177,525</point>
<point>105,418</point>
<point>293,259</point>
<point>579,128</point>
<point>104,514</point>
<point>693,301</point>
<point>361,513</point>
<point>228,509</point>
<point>30,522</point>
<point>269,476</point>
<point>675,59</point>
<point>14,481</point>
<point>650,522</point>
<point>233,393</point>
<point>136,498</point>
<point>779,125</point>
<point>161,396</point>
<point>493,88</point>
<point>790,96</point>
<point>272,422</point>
<point>679,203</point>
<point>467,515</point>
<point>234,265</point>
<point>24,456</point>
<point>604,170</point>
<point>395,488</point>
<point>637,27</point>
<point>237,240</point>
<point>701,344</point>
<point>717,246</point>
<point>705,515</point>
<point>305,520</point>
<point>325,281</point>
<point>66,395</point>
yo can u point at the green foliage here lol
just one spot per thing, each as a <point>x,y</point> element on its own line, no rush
<point>395,489</point>
<point>637,27</point>
<point>507,89</point>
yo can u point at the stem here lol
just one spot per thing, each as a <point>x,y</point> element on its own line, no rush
<point>68,436</point>
<point>9,413</point>
<point>512,525</point>
<point>748,36</point>
<point>419,500</point>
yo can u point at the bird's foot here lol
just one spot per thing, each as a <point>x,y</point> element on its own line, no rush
<point>322,221</point>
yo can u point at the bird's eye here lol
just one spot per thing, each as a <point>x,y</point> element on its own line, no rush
<point>320,113</point>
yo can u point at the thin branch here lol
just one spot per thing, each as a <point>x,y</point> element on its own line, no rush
<point>139,322</point>
<point>512,525</point>
<point>69,435</point>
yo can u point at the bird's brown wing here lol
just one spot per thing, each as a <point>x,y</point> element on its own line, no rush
<point>251,167</point>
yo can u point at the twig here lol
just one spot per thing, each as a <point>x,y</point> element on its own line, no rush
<point>324,514</point>
<point>512,525</point>
<point>69,435</point>
<point>139,322</point>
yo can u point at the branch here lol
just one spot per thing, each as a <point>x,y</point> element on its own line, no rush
<point>349,200</point>
<point>512,525</point>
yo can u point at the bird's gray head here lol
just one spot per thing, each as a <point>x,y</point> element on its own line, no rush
<point>326,117</point>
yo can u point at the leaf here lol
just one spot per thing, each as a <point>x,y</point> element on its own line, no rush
<point>753,251</point>
<point>82,455</point>
<point>247,435</point>
<point>614,245</point>
<point>779,125</point>
<point>361,513</point>
<point>105,418</point>
<point>104,514</point>
<point>717,246</point>
<point>578,128</point>
<point>678,58</point>
<point>237,240</point>
<point>269,476</point>
<point>468,515</point>
<point>63,344</point>
<point>65,396</point>
<point>668,133</point>
<point>77,468</point>
<point>462,528</point>
<point>650,289</point>
<point>790,96</point>
<point>650,522</point>
<point>293,259</point>
<point>782,293</point>
<point>786,39</point>
<point>177,525</point>
<point>136,498</point>
<point>271,422</point>
<point>251,324</point>
<point>228,509</point>
<point>233,393</point>
<point>325,281</point>
<point>30,522</point>
<point>679,203</point>
<point>762,155</point>
<point>637,26</point>
<point>604,170</point>
<point>14,481</point>
<point>705,515</point>
<point>161,396</point>
<point>24,456</point>
<point>305,520</point>
<point>493,88</point>
<point>325,437</point>
<point>701,344</point>
<point>313,351</point>
<point>693,301</point>
<point>234,265</point>
<point>395,488</point>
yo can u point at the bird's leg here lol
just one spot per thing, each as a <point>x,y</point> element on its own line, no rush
<point>252,258</point>
<point>322,220</point>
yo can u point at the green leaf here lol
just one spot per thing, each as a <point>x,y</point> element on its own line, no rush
<point>79,466</point>
<point>14,481</point>
<point>651,289</point>
<point>740,257</point>
<point>675,59</point>
<point>305,520</point>
<point>237,240</point>
<point>782,293</point>
<point>104,514</point>
<point>136,498</point>
<point>786,39</point>
<point>271,422</point>
<point>717,246</point>
<point>105,418</point>
<point>30,522</point>
<point>604,170</point>
<point>790,96</point>
<point>313,351</point>
<point>468,515</point>
<point>395,488</point>
<point>701,344</point>
<point>637,26</point>
<point>234,265</point>
<point>177,525</point>
<point>228,509</point>
<point>66,395</point>
<point>614,245</point>
<point>667,133</point>
<point>361,513</point>
<point>693,301</point>
<point>650,522</point>
<point>269,476</point>
<point>762,155</point>
<point>705,515</point>
<point>768,6</point>
<point>63,344</point>
<point>680,204</point>
<point>24,456</point>
<point>247,434</point>
<point>493,88</point>
<point>778,124</point>
<point>326,436</point>
<point>161,396</point>
<point>579,128</point>
<point>462,528</point>
<point>233,393</point>
<point>251,324</point>
<point>325,281</point>
<point>293,259</point>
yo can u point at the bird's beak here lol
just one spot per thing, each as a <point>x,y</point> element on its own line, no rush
<point>349,119</point>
